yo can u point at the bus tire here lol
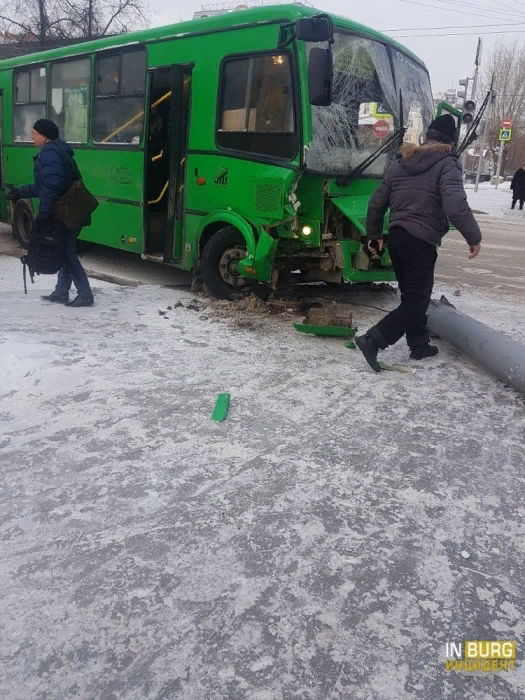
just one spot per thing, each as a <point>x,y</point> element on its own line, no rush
<point>23,220</point>
<point>218,265</point>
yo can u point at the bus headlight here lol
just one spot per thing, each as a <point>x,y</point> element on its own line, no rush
<point>306,231</point>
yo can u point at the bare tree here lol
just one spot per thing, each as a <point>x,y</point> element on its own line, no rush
<point>60,19</point>
<point>507,63</point>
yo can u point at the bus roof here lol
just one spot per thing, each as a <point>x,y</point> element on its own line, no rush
<point>203,25</point>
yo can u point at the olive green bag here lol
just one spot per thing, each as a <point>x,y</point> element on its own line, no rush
<point>75,206</point>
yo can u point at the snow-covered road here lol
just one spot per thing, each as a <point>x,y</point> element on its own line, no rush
<point>325,541</point>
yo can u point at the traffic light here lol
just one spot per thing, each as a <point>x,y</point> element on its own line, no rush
<point>463,93</point>
<point>469,106</point>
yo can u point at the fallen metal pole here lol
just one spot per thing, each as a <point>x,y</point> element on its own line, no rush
<point>504,357</point>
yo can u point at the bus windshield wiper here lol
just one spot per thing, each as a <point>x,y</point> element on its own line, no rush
<point>359,169</point>
<point>398,134</point>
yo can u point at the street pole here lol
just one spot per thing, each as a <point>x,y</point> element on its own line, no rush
<point>476,73</point>
<point>484,137</point>
<point>477,63</point>
<point>501,143</point>
<point>464,156</point>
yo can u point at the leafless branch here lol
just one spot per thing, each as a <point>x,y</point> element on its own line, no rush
<point>48,19</point>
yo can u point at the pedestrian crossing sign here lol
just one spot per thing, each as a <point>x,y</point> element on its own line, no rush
<point>505,135</point>
<point>379,111</point>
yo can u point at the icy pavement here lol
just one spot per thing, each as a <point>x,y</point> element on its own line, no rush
<point>311,546</point>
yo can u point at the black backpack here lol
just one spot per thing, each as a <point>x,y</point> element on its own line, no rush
<point>46,250</point>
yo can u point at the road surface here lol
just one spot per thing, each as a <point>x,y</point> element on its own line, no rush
<point>499,267</point>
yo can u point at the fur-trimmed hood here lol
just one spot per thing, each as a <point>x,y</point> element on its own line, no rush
<point>418,159</point>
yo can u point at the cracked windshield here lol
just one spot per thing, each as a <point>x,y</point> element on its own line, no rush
<point>365,109</point>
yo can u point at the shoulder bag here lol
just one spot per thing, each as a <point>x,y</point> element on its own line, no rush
<point>77,204</point>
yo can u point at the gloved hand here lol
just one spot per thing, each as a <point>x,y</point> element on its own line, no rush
<point>14,195</point>
<point>375,245</point>
<point>42,218</point>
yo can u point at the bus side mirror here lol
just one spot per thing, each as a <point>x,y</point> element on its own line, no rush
<point>320,77</point>
<point>313,29</point>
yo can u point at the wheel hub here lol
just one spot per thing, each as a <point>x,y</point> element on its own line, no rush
<point>228,266</point>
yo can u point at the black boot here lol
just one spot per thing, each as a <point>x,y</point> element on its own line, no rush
<point>369,348</point>
<point>78,301</point>
<point>56,298</point>
<point>419,352</point>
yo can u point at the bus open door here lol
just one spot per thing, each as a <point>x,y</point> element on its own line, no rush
<point>166,157</point>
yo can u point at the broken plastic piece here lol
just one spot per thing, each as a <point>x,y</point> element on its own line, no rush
<point>341,331</point>
<point>221,407</point>
<point>396,368</point>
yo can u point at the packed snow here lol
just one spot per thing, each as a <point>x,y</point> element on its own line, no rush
<point>494,202</point>
<point>325,541</point>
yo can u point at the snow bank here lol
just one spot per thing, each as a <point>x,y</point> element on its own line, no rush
<point>494,202</point>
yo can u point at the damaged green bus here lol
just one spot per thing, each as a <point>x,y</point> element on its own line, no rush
<point>239,146</point>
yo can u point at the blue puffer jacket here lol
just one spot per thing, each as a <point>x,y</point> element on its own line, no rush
<point>54,175</point>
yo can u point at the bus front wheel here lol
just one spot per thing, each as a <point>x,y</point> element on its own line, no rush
<point>218,266</point>
<point>23,221</point>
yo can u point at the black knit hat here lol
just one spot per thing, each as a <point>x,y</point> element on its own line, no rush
<point>445,125</point>
<point>47,128</point>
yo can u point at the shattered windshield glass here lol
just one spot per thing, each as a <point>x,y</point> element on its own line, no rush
<point>365,108</point>
<point>418,105</point>
<point>363,86</point>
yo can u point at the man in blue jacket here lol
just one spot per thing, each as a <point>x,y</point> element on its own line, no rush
<point>54,174</point>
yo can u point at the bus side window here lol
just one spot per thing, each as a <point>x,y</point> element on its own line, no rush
<point>118,112</point>
<point>257,110</point>
<point>29,102</point>
<point>70,82</point>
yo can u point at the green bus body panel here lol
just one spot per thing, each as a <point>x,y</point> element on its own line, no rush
<point>264,258</point>
<point>118,220</point>
<point>257,191</point>
<point>238,191</point>
<point>355,208</point>
<point>229,218</point>
<point>206,25</point>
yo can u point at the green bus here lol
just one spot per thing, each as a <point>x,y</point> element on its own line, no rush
<point>239,146</point>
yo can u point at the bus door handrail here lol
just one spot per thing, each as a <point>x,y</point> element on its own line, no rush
<point>137,116</point>
<point>161,195</point>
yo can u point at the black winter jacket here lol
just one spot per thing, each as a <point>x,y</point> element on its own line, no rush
<point>54,175</point>
<point>423,188</point>
<point>518,184</point>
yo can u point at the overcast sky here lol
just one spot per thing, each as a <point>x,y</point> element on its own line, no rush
<point>447,58</point>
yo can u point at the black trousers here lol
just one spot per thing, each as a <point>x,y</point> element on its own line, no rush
<point>413,261</point>
<point>515,199</point>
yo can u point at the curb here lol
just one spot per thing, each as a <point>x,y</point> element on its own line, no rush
<point>90,272</point>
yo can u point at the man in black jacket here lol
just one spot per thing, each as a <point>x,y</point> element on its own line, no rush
<point>518,187</point>
<point>422,189</point>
